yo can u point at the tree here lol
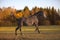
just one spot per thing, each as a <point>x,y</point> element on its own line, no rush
<point>35,10</point>
<point>26,12</point>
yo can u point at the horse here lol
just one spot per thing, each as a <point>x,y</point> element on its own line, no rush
<point>30,20</point>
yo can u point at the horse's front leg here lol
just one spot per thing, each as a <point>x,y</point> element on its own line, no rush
<point>37,29</point>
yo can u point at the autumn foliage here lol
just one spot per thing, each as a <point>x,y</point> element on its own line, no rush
<point>51,15</point>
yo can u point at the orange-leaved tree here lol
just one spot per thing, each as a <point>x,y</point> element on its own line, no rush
<point>26,12</point>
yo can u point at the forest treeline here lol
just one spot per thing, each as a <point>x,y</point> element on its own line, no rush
<point>51,16</point>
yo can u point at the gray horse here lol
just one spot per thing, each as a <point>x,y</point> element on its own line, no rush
<point>33,19</point>
<point>29,21</point>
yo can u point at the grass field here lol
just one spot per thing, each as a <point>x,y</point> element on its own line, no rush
<point>30,29</point>
<point>46,33</point>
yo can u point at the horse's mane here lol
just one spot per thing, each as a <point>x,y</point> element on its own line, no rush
<point>39,13</point>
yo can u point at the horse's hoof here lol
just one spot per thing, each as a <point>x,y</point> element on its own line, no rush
<point>15,33</point>
<point>38,31</point>
<point>22,34</point>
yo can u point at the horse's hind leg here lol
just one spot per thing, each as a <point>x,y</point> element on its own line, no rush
<point>16,30</point>
<point>20,30</point>
<point>19,27</point>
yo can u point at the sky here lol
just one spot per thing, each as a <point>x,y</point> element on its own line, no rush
<point>20,4</point>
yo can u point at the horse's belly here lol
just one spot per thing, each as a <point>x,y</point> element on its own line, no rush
<point>29,23</point>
